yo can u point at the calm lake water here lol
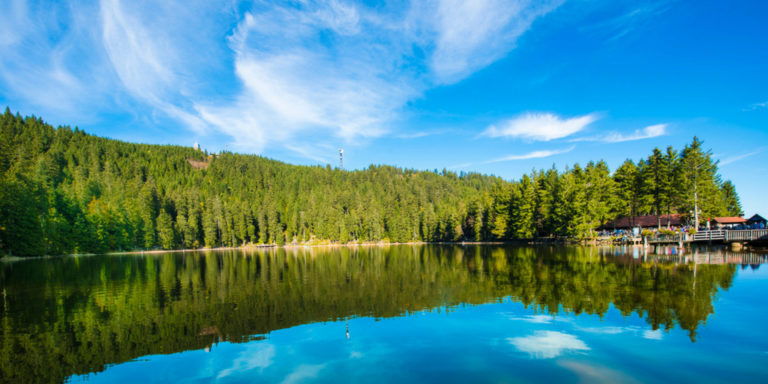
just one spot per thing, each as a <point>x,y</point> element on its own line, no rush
<point>388,314</point>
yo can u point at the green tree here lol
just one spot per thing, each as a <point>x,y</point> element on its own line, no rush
<point>501,206</point>
<point>524,200</point>
<point>731,201</point>
<point>165,230</point>
<point>627,199</point>
<point>699,187</point>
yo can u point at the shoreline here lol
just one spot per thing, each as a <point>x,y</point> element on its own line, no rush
<point>10,259</point>
<point>259,247</point>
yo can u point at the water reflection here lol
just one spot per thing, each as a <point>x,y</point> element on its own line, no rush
<point>76,315</point>
<point>707,255</point>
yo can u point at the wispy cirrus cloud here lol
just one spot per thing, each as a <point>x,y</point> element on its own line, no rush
<point>473,34</point>
<point>532,155</point>
<point>420,134</point>
<point>639,134</point>
<point>268,73</point>
<point>48,63</point>
<point>316,68</point>
<point>630,20</point>
<point>144,47</point>
<point>735,158</point>
<point>540,126</point>
<point>648,132</point>
<point>756,106</point>
<point>539,154</point>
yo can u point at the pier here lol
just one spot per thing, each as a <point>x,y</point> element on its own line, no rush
<point>725,236</point>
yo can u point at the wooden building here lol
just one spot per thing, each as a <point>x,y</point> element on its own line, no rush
<point>650,221</point>
<point>757,221</point>
<point>727,222</point>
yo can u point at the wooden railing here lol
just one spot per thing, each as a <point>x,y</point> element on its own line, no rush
<point>668,238</point>
<point>747,235</point>
<point>709,235</point>
<point>717,235</point>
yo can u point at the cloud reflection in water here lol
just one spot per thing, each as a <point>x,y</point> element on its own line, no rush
<point>547,344</point>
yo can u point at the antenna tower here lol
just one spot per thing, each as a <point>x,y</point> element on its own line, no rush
<point>341,158</point>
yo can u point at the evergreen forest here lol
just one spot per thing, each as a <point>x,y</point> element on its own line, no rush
<point>63,191</point>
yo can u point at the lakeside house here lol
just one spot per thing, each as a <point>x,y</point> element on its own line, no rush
<point>727,222</point>
<point>650,221</point>
<point>757,221</point>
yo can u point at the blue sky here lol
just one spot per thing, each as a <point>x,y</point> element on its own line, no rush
<point>492,86</point>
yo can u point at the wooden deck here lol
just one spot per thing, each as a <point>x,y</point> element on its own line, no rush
<point>719,236</point>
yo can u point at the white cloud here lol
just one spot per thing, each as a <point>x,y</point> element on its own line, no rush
<point>309,152</point>
<point>757,106</point>
<point>548,344</point>
<point>531,155</point>
<point>353,83</point>
<point>639,134</point>
<point>49,66</point>
<point>420,134</point>
<point>733,159</point>
<point>473,34</point>
<point>148,61</point>
<point>413,135</point>
<point>630,20</point>
<point>13,18</point>
<point>134,53</point>
<point>540,126</point>
<point>285,74</point>
<point>648,132</point>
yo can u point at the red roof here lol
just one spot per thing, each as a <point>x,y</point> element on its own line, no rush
<point>729,220</point>
<point>645,221</point>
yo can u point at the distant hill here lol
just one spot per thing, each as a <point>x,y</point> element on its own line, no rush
<point>64,191</point>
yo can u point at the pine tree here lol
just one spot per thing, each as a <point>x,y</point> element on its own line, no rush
<point>165,232</point>
<point>671,182</point>
<point>210,229</point>
<point>626,202</point>
<point>500,212</point>
<point>699,178</point>
<point>731,201</point>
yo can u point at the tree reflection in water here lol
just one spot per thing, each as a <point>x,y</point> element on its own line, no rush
<point>75,315</point>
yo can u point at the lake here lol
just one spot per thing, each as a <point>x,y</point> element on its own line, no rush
<point>406,313</point>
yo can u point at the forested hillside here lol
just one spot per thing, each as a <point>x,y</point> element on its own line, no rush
<point>64,191</point>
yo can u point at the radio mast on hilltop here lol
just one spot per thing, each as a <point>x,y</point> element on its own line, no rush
<point>341,158</point>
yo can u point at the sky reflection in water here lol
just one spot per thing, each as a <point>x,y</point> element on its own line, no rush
<point>500,342</point>
<point>522,324</point>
